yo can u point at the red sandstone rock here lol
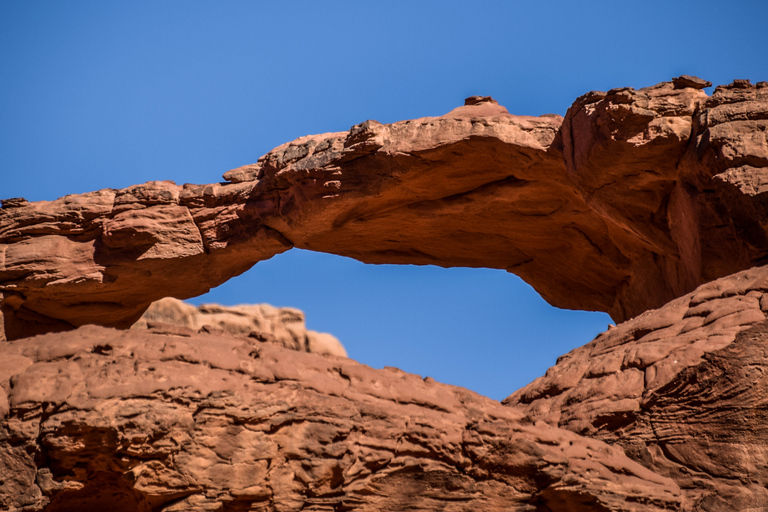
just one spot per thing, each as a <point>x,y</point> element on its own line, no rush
<point>103,255</point>
<point>682,389</point>
<point>283,326</point>
<point>635,198</point>
<point>98,419</point>
<point>639,197</point>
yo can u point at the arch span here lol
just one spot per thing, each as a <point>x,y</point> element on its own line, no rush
<point>632,199</point>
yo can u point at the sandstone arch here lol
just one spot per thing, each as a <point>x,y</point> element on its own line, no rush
<point>207,421</point>
<point>632,199</point>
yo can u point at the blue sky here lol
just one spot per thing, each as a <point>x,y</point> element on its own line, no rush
<point>109,94</point>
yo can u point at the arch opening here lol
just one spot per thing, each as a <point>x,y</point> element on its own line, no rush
<point>483,329</point>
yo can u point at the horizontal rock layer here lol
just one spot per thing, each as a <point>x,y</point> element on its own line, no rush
<point>634,198</point>
<point>132,421</point>
<point>283,326</point>
<point>683,389</point>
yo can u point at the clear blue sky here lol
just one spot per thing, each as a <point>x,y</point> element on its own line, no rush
<point>97,94</point>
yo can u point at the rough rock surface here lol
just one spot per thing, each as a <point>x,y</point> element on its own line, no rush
<point>634,198</point>
<point>284,326</point>
<point>97,419</point>
<point>683,389</point>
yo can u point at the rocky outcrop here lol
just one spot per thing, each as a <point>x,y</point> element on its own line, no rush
<point>663,412</point>
<point>683,389</point>
<point>283,326</point>
<point>98,419</point>
<point>634,198</point>
<point>670,165</point>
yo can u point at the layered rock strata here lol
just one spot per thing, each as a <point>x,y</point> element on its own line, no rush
<point>634,198</point>
<point>131,421</point>
<point>683,389</point>
<point>283,326</point>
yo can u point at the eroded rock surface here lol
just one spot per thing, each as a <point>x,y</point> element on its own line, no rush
<point>634,198</point>
<point>683,389</point>
<point>98,419</point>
<point>283,326</point>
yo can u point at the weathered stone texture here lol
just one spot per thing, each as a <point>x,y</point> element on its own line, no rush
<point>283,326</point>
<point>634,198</point>
<point>98,419</point>
<point>682,389</point>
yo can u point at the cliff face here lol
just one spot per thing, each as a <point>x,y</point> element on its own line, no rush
<point>635,200</point>
<point>631,200</point>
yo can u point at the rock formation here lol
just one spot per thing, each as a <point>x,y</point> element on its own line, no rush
<point>283,326</point>
<point>634,200</point>
<point>98,419</point>
<point>683,389</point>
<point>631,200</point>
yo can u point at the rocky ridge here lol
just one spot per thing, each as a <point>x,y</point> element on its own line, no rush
<point>682,389</point>
<point>99,419</point>
<point>283,326</point>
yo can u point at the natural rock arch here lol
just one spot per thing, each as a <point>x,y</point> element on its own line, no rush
<point>634,198</point>
<point>208,421</point>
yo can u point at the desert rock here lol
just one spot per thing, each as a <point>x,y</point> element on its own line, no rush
<point>633,199</point>
<point>647,204</point>
<point>682,389</point>
<point>99,419</point>
<point>283,326</point>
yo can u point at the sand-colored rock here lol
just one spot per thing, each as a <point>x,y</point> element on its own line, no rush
<point>634,198</point>
<point>283,326</point>
<point>133,421</point>
<point>682,389</point>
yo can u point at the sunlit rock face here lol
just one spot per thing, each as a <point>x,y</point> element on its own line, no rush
<point>647,204</point>
<point>634,198</point>
<point>283,326</point>
<point>683,389</point>
<point>99,419</point>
